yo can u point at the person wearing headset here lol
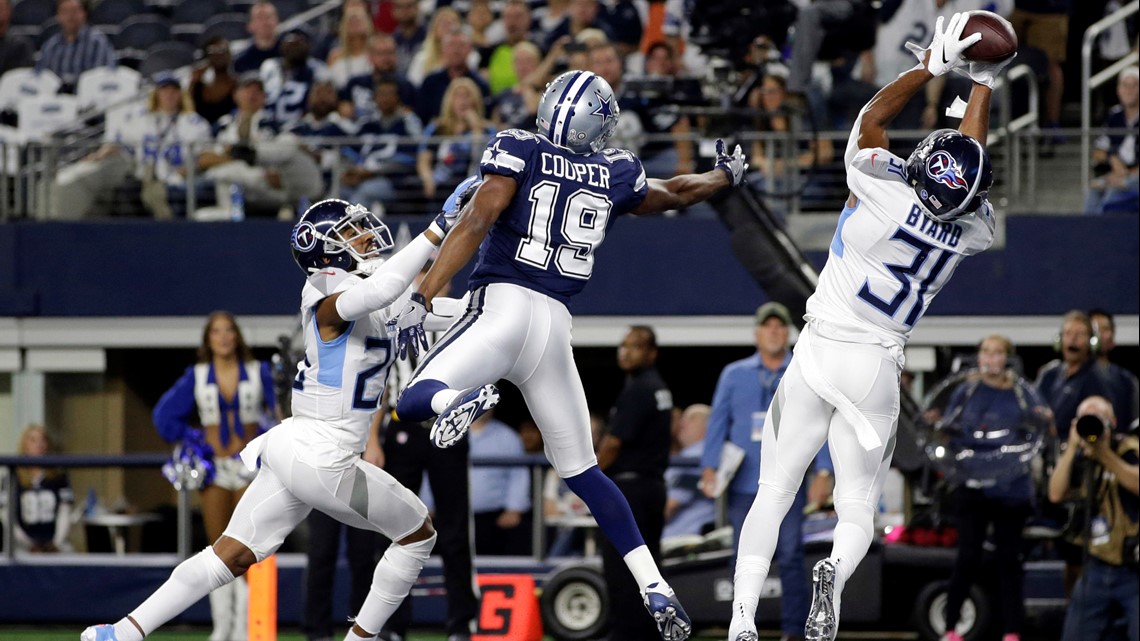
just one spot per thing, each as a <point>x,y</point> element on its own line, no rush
<point>1066,381</point>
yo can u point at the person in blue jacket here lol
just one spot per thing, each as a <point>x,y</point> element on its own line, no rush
<point>227,393</point>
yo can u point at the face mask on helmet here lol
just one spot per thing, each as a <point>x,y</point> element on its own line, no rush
<point>578,111</point>
<point>950,173</point>
<point>335,233</point>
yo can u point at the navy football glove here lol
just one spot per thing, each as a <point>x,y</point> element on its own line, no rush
<point>454,205</point>
<point>409,327</point>
<point>732,165</point>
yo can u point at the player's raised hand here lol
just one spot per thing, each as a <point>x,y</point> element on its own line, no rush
<point>452,207</point>
<point>945,51</point>
<point>733,165</point>
<point>409,326</point>
<point>985,73</point>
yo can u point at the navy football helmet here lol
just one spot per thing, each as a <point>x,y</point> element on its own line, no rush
<point>336,233</point>
<point>950,173</point>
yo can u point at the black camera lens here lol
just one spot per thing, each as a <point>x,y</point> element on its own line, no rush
<point>1091,427</point>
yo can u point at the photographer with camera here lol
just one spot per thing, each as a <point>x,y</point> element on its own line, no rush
<point>1107,463</point>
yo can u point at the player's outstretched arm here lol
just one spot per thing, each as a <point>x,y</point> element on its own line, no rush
<point>463,240</point>
<point>976,121</point>
<point>687,189</point>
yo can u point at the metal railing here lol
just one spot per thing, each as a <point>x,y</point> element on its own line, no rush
<point>537,464</point>
<point>1089,81</point>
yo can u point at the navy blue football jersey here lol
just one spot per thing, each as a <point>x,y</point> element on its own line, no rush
<point>546,237</point>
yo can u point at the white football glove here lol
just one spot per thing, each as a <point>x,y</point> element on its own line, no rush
<point>732,165</point>
<point>947,47</point>
<point>984,73</point>
<point>409,327</point>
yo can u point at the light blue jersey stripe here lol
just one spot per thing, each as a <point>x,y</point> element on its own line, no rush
<point>837,240</point>
<point>330,356</point>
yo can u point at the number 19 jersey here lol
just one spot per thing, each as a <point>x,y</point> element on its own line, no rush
<point>546,237</point>
<point>888,259</point>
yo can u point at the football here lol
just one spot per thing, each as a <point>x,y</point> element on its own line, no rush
<point>998,39</point>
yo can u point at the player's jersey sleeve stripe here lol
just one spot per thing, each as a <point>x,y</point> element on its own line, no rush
<point>639,184</point>
<point>330,356</point>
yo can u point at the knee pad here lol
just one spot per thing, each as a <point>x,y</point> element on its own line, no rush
<point>204,568</point>
<point>406,561</point>
<point>857,513</point>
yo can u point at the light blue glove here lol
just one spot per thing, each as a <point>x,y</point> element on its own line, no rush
<point>454,205</point>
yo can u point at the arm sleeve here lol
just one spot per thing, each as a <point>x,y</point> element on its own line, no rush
<point>629,413</point>
<point>518,488</point>
<point>386,284</point>
<point>175,406</point>
<point>719,419</point>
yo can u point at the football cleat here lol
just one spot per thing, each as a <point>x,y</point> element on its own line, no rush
<point>452,425</point>
<point>105,632</point>
<point>822,623</point>
<point>746,636</point>
<point>670,617</point>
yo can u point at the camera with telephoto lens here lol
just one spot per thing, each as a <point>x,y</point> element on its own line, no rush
<point>1091,427</point>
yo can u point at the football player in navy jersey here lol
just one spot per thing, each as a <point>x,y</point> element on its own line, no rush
<point>544,206</point>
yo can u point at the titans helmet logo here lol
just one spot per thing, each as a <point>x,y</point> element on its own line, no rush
<point>604,109</point>
<point>942,168</point>
<point>304,236</point>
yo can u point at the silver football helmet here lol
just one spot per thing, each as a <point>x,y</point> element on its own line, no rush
<point>578,111</point>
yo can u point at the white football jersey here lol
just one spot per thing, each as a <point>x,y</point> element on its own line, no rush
<point>888,259</point>
<point>339,383</point>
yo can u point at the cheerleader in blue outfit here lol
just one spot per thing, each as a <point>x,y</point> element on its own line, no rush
<point>230,391</point>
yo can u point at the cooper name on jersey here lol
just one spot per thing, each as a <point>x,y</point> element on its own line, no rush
<point>946,233</point>
<point>592,174</point>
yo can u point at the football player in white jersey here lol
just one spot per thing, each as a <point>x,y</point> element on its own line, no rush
<point>312,460</point>
<point>905,227</point>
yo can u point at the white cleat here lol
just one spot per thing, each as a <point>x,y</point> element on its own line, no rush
<point>105,632</point>
<point>452,425</point>
<point>822,622</point>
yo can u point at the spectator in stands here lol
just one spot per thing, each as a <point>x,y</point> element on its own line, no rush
<point>321,120</point>
<point>1067,381</point>
<point>817,20</point>
<point>775,113</point>
<point>899,22</point>
<point>659,158</point>
<point>988,413</point>
<point>480,20</point>
<point>1116,189</point>
<point>357,98</point>
<point>228,392</point>
<point>624,21</point>
<point>500,501</point>
<point>350,58</point>
<point>461,121</point>
<point>154,141</point>
<point>1111,583</point>
<point>517,106</point>
<point>1044,25</point>
<point>264,44</point>
<point>581,14</point>
<point>289,78</point>
<point>500,61</point>
<point>409,33</point>
<point>744,392</point>
<point>548,18</point>
<point>430,57</point>
<point>387,156</point>
<point>213,80</point>
<point>43,498</point>
<point>1125,388</point>
<point>635,454</point>
<point>77,47</point>
<point>687,510</point>
<point>15,52</point>
<point>270,172</point>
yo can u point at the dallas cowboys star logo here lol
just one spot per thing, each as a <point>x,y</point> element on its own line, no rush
<point>604,110</point>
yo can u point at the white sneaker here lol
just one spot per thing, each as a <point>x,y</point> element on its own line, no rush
<point>452,425</point>
<point>822,622</point>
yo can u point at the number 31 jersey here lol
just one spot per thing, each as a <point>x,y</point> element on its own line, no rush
<point>546,237</point>
<point>888,259</point>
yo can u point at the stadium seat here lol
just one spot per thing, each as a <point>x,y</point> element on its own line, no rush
<point>30,13</point>
<point>102,87</point>
<point>21,84</point>
<point>166,56</point>
<point>115,13</point>
<point>142,31</point>
<point>288,8</point>
<point>188,17</point>
<point>49,28</point>
<point>43,115</point>
<point>230,25</point>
